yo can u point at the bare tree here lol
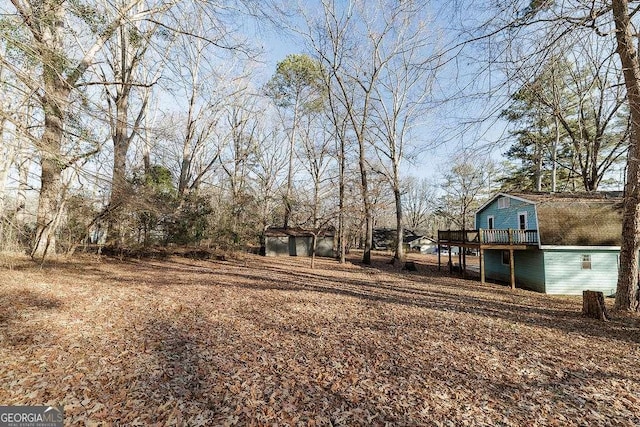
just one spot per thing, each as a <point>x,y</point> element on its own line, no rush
<point>242,134</point>
<point>355,44</point>
<point>195,131</point>
<point>8,147</point>
<point>127,81</point>
<point>337,116</point>
<point>419,203</point>
<point>269,175</point>
<point>316,146</point>
<point>49,24</point>
<point>400,101</point>
<point>465,187</point>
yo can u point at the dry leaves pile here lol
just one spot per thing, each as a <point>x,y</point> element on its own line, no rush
<point>264,341</point>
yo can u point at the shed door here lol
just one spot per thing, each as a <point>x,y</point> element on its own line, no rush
<point>292,246</point>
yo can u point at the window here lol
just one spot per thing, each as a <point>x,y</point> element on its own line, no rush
<point>522,220</point>
<point>586,262</point>
<point>503,202</point>
<point>490,222</point>
<point>506,258</point>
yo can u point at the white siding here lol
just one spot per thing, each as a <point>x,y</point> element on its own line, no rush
<point>565,276</point>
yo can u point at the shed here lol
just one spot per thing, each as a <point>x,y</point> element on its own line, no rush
<point>296,241</point>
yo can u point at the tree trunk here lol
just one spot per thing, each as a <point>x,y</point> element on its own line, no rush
<point>288,208</point>
<point>185,165</point>
<point>54,104</point>
<point>368,238</point>
<point>24,163</point>
<point>554,156</point>
<point>341,216</point>
<point>48,206</point>
<point>7,161</point>
<point>121,143</point>
<point>593,305</point>
<point>627,294</point>
<point>314,243</point>
<point>399,252</point>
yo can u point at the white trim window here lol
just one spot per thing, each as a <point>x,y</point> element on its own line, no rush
<point>523,221</point>
<point>503,203</point>
<point>491,222</point>
<point>586,261</point>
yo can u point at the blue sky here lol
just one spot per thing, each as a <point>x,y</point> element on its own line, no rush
<point>446,128</point>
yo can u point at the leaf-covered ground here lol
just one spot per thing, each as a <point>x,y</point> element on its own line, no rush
<point>261,341</point>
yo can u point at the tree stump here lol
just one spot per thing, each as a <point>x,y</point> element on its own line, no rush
<point>593,305</point>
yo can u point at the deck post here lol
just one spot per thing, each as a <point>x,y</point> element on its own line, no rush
<point>512,269</point>
<point>450,262</point>
<point>439,250</point>
<point>481,265</point>
<point>460,260</point>
<point>481,256</point>
<point>463,259</point>
<point>464,262</point>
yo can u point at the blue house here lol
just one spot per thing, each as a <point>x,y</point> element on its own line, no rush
<point>561,243</point>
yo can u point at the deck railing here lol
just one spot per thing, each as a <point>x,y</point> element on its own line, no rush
<point>493,236</point>
<point>463,236</point>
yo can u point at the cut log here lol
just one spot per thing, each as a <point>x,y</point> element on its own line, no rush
<point>593,305</point>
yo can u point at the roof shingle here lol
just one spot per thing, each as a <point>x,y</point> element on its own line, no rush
<point>578,219</point>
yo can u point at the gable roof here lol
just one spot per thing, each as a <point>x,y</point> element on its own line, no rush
<point>577,219</point>
<point>409,239</point>
<point>517,196</point>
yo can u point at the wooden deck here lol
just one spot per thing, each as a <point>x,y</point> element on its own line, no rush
<point>489,239</point>
<point>481,239</point>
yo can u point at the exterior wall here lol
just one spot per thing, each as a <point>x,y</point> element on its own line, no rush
<point>529,268</point>
<point>301,246</point>
<point>507,217</point>
<point>297,246</point>
<point>424,245</point>
<point>430,248</point>
<point>493,267</point>
<point>530,272</point>
<point>276,246</point>
<point>324,247</point>
<point>565,276</point>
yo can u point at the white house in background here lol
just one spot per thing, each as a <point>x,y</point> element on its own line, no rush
<point>422,244</point>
